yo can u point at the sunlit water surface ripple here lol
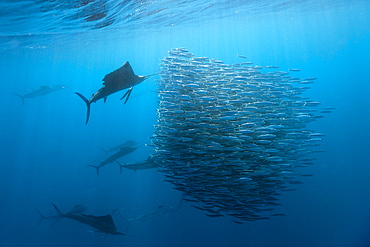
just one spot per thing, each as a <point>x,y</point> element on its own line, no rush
<point>28,23</point>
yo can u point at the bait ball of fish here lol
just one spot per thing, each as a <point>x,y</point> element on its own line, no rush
<point>230,137</point>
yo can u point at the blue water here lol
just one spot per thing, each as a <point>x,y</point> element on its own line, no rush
<point>45,146</point>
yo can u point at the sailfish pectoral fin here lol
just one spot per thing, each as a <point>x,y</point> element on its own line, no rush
<point>127,94</point>
<point>87,105</point>
<point>60,214</point>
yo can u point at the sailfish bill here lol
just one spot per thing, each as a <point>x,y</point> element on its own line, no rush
<point>116,81</point>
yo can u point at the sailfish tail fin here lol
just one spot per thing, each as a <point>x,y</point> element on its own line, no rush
<point>97,169</point>
<point>42,217</point>
<point>87,105</point>
<point>120,166</point>
<point>20,96</point>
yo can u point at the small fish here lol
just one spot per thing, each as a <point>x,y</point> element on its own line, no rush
<point>278,215</point>
<point>241,56</point>
<point>230,137</point>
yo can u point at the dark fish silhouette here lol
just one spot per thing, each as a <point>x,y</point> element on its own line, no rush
<point>128,143</point>
<point>122,152</point>
<point>77,209</point>
<point>114,82</point>
<point>161,210</point>
<point>43,90</point>
<point>140,165</point>
<point>102,224</point>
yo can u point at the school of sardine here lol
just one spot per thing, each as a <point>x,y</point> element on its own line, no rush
<point>230,137</point>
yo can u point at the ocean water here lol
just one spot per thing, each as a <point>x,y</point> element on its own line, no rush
<point>45,145</point>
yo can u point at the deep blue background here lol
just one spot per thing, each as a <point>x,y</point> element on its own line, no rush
<point>45,145</point>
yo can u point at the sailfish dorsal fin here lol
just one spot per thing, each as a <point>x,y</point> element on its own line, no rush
<point>107,219</point>
<point>120,76</point>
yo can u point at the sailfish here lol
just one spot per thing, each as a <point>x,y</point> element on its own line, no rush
<point>114,82</point>
<point>103,224</point>
<point>43,90</point>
